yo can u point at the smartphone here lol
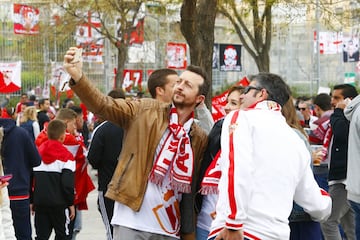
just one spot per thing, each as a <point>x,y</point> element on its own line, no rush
<point>77,56</point>
<point>6,177</point>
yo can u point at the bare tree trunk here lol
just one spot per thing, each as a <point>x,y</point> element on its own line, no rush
<point>121,59</point>
<point>197,26</point>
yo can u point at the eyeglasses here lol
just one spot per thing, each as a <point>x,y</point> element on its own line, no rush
<point>248,88</point>
<point>302,109</point>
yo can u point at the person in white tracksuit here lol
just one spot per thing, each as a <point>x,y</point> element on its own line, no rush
<point>265,167</point>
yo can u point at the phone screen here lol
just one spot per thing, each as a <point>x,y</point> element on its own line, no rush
<point>5,178</point>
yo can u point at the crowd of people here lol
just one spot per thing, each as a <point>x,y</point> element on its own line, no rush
<point>274,167</point>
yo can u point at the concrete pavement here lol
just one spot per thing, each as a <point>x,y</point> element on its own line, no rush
<point>92,227</point>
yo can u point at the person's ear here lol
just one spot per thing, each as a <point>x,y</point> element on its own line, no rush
<point>200,99</point>
<point>264,94</point>
<point>159,91</point>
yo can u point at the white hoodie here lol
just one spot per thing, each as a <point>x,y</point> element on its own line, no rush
<point>352,113</point>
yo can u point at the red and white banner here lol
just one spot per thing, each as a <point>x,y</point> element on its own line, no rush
<point>218,102</point>
<point>176,55</point>
<point>132,80</point>
<point>10,77</point>
<point>58,83</point>
<point>329,42</point>
<point>89,39</point>
<point>136,35</point>
<point>26,19</point>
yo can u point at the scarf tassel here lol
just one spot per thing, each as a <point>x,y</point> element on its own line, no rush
<point>156,179</point>
<point>180,187</point>
<point>209,190</point>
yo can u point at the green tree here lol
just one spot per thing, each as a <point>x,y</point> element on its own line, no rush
<point>255,37</point>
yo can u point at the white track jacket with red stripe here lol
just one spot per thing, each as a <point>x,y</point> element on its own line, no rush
<point>265,166</point>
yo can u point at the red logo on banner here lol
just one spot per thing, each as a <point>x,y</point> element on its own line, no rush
<point>10,77</point>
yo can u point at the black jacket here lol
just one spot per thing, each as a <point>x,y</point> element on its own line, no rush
<point>104,150</point>
<point>339,153</point>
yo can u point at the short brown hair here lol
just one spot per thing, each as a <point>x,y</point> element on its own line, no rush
<point>66,114</point>
<point>158,79</point>
<point>56,129</point>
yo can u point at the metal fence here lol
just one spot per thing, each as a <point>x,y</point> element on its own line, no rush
<point>292,56</point>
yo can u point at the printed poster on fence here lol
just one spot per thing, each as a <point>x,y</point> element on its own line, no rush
<point>329,42</point>
<point>58,83</point>
<point>350,48</point>
<point>176,55</point>
<point>89,39</point>
<point>132,80</point>
<point>230,57</point>
<point>10,77</point>
<point>26,19</point>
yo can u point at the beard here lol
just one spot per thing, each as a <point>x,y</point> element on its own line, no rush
<point>181,102</point>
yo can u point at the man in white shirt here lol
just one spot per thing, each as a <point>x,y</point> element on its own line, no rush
<point>265,167</point>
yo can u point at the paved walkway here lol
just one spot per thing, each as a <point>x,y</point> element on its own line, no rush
<point>93,227</point>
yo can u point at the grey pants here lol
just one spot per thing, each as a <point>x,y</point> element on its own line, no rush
<point>124,233</point>
<point>341,213</point>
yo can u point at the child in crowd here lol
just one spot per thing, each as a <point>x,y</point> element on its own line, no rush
<point>53,197</point>
<point>83,182</point>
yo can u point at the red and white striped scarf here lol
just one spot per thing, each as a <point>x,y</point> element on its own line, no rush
<point>209,184</point>
<point>175,155</point>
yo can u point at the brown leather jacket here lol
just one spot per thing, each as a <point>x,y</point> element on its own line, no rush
<point>144,122</point>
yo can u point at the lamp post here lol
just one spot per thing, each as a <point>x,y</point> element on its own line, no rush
<point>317,54</point>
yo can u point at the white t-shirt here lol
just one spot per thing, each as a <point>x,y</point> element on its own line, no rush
<point>159,212</point>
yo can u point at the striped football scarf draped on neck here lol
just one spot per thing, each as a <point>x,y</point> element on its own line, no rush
<point>175,155</point>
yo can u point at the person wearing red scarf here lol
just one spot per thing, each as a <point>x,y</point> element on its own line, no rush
<point>153,184</point>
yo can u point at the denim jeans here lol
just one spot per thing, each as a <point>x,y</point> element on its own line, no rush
<point>201,234</point>
<point>356,207</point>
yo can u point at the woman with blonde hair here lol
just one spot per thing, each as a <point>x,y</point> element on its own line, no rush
<point>6,223</point>
<point>29,122</point>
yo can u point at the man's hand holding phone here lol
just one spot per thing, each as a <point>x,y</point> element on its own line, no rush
<point>73,63</point>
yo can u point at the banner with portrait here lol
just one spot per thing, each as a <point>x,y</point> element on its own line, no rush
<point>26,19</point>
<point>230,57</point>
<point>89,39</point>
<point>350,48</point>
<point>176,55</point>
